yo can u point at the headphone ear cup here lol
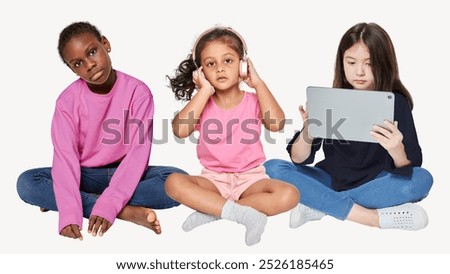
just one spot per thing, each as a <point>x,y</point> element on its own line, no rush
<point>243,69</point>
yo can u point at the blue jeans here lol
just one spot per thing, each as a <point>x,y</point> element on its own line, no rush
<point>35,186</point>
<point>385,190</point>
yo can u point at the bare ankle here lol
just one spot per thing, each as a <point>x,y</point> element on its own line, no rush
<point>142,216</point>
<point>364,216</point>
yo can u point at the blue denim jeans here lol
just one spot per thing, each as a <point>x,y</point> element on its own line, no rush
<point>385,190</point>
<point>35,186</point>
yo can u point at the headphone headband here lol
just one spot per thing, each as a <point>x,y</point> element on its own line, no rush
<point>194,48</point>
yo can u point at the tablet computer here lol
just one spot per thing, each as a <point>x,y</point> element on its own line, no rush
<point>347,114</point>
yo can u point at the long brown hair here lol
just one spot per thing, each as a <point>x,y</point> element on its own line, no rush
<point>382,58</point>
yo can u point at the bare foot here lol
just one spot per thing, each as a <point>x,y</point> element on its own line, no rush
<point>143,216</point>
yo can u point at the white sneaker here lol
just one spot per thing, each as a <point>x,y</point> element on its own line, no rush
<point>407,216</point>
<point>302,214</point>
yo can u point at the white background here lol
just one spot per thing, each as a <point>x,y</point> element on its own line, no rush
<point>292,44</point>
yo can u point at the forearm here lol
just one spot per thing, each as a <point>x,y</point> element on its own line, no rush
<point>66,178</point>
<point>184,122</point>
<point>399,157</point>
<point>121,188</point>
<point>272,114</point>
<point>125,179</point>
<point>301,148</point>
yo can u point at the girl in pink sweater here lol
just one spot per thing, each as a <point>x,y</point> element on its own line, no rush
<point>102,136</point>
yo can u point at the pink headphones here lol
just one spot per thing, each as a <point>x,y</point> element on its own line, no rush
<point>243,65</point>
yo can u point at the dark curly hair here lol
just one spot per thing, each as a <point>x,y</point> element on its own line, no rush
<point>182,84</point>
<point>75,29</point>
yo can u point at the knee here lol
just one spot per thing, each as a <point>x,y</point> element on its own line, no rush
<point>275,167</point>
<point>419,185</point>
<point>422,181</point>
<point>290,197</point>
<point>295,195</point>
<point>23,185</point>
<point>173,184</point>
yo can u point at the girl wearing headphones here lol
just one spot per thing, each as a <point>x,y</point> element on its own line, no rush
<point>233,184</point>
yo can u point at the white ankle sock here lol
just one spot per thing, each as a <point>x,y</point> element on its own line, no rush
<point>407,216</point>
<point>197,219</point>
<point>302,214</point>
<point>253,220</point>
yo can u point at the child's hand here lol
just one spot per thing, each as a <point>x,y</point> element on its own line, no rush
<point>200,81</point>
<point>98,225</point>
<point>304,114</point>
<point>253,78</point>
<point>72,231</point>
<point>389,137</point>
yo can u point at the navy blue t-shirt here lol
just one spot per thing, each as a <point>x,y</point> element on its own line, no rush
<point>351,164</point>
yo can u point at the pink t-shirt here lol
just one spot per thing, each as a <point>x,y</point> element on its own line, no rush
<point>229,140</point>
<point>93,130</point>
